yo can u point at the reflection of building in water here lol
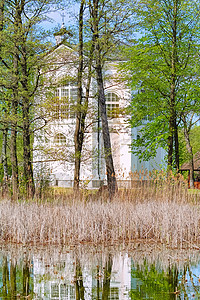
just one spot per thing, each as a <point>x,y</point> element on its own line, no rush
<point>54,281</point>
<point>153,276</point>
<point>73,279</point>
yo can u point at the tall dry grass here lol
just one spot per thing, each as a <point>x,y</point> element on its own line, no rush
<point>155,211</point>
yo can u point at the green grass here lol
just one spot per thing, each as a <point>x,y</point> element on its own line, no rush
<point>194,191</point>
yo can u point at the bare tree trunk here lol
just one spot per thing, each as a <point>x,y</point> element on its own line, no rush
<point>13,144</point>
<point>28,171</point>
<point>77,134</point>
<point>111,178</point>
<point>13,151</point>
<point>5,160</point>
<point>82,106</point>
<point>112,183</point>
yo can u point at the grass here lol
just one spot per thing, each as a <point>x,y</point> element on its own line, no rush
<point>158,212</point>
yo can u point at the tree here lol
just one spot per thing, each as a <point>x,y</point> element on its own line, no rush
<point>82,101</point>
<point>22,51</point>
<point>163,67</point>
<point>100,30</point>
<point>4,154</point>
<point>190,132</point>
<point>5,112</point>
<point>110,22</point>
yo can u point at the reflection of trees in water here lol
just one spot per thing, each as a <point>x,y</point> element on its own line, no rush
<point>74,278</point>
<point>13,273</point>
<point>149,281</point>
<point>187,271</point>
<point>8,279</point>
<point>26,278</point>
<point>106,279</point>
<point>79,281</point>
<point>15,279</point>
<point>101,289</point>
<point>5,278</point>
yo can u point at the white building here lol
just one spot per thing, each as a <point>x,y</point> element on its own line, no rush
<point>54,145</point>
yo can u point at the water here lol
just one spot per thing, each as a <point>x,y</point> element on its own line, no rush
<point>88,272</point>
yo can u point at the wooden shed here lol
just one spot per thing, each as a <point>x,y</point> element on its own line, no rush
<point>186,167</point>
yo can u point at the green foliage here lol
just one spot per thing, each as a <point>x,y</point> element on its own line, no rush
<point>23,46</point>
<point>163,67</point>
<point>151,136</point>
<point>195,143</point>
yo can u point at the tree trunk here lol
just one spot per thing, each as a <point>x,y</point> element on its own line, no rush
<point>82,108</point>
<point>170,145</point>
<point>173,132</point>
<point>13,151</point>
<point>5,160</point>
<point>189,149</point>
<point>1,14</point>
<point>176,141</point>
<point>28,171</point>
<point>13,145</point>
<point>111,178</point>
<point>77,135</point>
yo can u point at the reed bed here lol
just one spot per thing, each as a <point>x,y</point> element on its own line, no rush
<point>156,213</point>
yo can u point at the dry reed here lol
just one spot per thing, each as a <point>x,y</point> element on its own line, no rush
<point>159,213</point>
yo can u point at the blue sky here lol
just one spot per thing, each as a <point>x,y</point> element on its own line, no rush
<point>57,18</point>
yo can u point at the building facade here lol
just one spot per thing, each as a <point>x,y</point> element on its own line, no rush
<point>54,143</point>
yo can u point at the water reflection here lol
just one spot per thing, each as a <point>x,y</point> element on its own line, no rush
<point>84,274</point>
<point>155,283</point>
<point>15,278</point>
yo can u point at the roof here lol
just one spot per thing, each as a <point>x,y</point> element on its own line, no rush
<point>196,159</point>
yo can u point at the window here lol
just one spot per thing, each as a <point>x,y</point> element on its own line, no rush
<point>112,105</point>
<point>64,101</point>
<point>60,139</point>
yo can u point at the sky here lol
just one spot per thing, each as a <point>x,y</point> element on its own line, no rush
<point>68,15</point>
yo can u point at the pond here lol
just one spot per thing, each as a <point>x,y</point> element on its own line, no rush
<point>87,272</point>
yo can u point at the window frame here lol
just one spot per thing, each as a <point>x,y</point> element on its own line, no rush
<point>59,139</point>
<point>112,104</point>
<point>65,102</point>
